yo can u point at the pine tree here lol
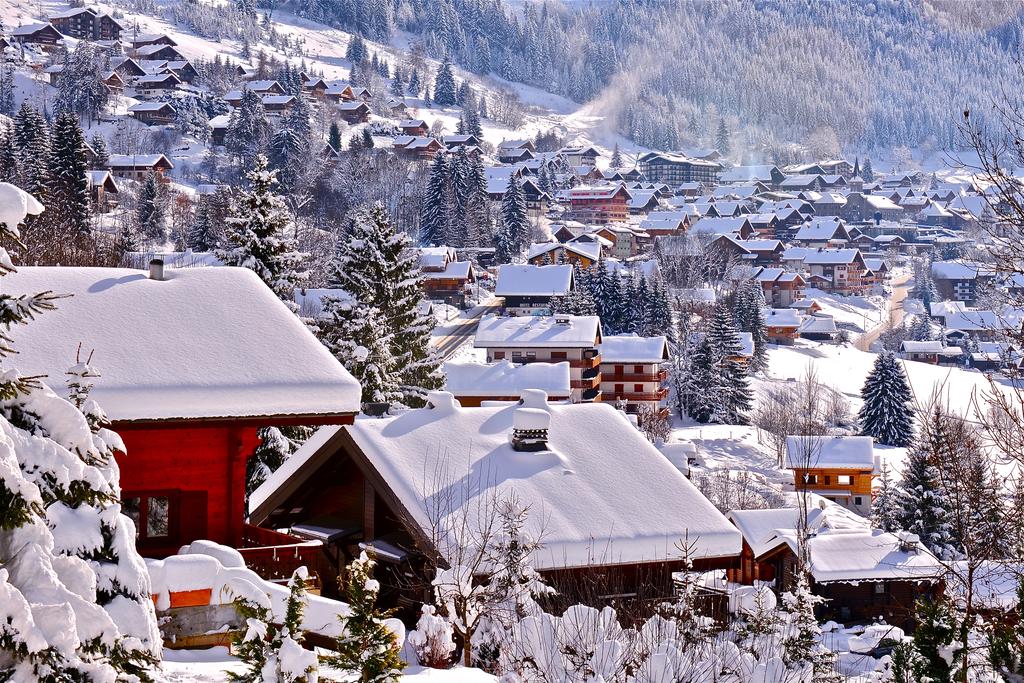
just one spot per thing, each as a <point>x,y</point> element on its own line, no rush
<point>152,209</point>
<point>934,634</point>
<point>749,313</point>
<point>803,645</point>
<point>438,203</point>
<point>69,183</point>
<point>885,510</point>
<point>60,512</point>
<point>734,399</point>
<point>722,143</point>
<point>248,132</point>
<point>922,500</point>
<point>703,384</point>
<point>6,88</point>
<point>378,268</point>
<point>368,645</point>
<point>886,414</point>
<point>616,161</point>
<point>360,339</point>
<point>415,87</point>
<point>258,236</point>
<point>514,221</point>
<point>445,90</point>
<point>101,158</point>
<point>867,173</point>
<point>334,136</point>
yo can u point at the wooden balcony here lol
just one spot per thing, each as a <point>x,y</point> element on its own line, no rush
<point>275,556</point>
<point>659,395</point>
<point>659,376</point>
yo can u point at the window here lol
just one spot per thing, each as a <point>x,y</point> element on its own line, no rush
<point>151,514</point>
<point>499,355</point>
<point>810,478</point>
<point>858,501</point>
<point>638,388</point>
<point>638,369</point>
<point>517,355</point>
<point>844,480</point>
<point>531,355</point>
<point>620,389</point>
<point>880,588</point>
<point>559,355</point>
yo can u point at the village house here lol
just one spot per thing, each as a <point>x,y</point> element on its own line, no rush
<point>444,277</point>
<point>580,156</point>
<point>767,174</point>
<point>188,388</point>
<point>153,113</point>
<point>398,487</point>
<point>864,574</point>
<point>414,127</point>
<point>144,39</point>
<point>868,207</point>
<point>674,169</point>
<point>162,51</point>
<point>821,232</point>
<point>734,226</point>
<point>781,287</point>
<point>781,325</point>
<point>416,147</point>
<point>512,151</point>
<point>315,88</point>
<point>960,280</point>
<point>933,352</point>
<point>156,85</point>
<point>278,106</point>
<point>138,166</point>
<point>528,289</point>
<point>599,204</point>
<point>44,36</point>
<point>548,339</point>
<point>87,23</point>
<point>835,270</point>
<point>585,254</point>
<point>978,325</point>
<point>354,112</point>
<point>765,252</point>
<point>839,468</point>
<point>473,384</point>
<point>818,328</point>
<point>632,372</point>
<point>103,191</point>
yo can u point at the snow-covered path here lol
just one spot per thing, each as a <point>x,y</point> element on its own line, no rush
<point>449,338</point>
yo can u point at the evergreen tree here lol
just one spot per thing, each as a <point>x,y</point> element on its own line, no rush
<point>101,159</point>
<point>152,209</point>
<point>360,339</point>
<point>445,90</point>
<point>734,399</point>
<point>258,236</point>
<point>201,235</point>
<point>367,645</point>
<point>722,143</point>
<point>334,136</point>
<point>886,414</point>
<point>6,88</point>
<point>935,632</point>
<point>438,204</point>
<point>749,311</point>
<point>514,222</point>
<point>378,268</point>
<point>803,645</point>
<point>616,161</point>
<point>367,139</point>
<point>922,501</point>
<point>69,183</point>
<point>703,384</point>
<point>248,132</point>
<point>868,173</point>
<point>415,87</point>
<point>885,510</point>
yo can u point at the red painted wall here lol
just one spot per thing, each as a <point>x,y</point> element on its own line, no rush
<point>200,468</point>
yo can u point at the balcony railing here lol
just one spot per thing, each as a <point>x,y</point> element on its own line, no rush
<point>659,376</point>
<point>659,395</point>
<point>275,556</point>
<point>586,383</point>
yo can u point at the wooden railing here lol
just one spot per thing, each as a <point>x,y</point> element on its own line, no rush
<point>659,376</point>
<point>275,556</point>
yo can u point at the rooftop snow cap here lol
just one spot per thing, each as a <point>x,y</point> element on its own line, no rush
<point>442,400</point>
<point>534,398</point>
<point>530,430</point>
<point>156,269</point>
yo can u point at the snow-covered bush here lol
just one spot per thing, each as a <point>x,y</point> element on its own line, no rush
<point>432,639</point>
<point>273,653</point>
<point>74,593</point>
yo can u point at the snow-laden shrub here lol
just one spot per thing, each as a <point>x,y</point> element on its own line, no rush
<point>74,593</point>
<point>432,640</point>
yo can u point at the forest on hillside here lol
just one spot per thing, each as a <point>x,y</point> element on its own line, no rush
<point>876,74</point>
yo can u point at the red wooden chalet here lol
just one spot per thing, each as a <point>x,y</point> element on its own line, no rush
<point>193,362</point>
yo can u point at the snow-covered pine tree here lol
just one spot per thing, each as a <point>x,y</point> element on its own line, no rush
<point>735,398</point>
<point>616,161</point>
<point>722,142</point>
<point>803,646</point>
<point>32,145</point>
<point>885,510</point>
<point>69,182</point>
<point>867,173</point>
<point>703,384</point>
<point>367,646</point>
<point>922,499</point>
<point>415,86</point>
<point>258,235</point>
<point>6,88</point>
<point>101,158</point>
<point>334,136</point>
<point>248,132</point>
<point>361,341</point>
<point>886,414</point>
<point>445,91</point>
<point>750,318</point>
<point>438,203</point>
<point>152,209</point>
<point>378,268</point>
<point>515,225</point>
<point>63,540</point>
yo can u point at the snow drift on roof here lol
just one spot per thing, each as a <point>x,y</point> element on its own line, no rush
<point>505,379</point>
<point>630,348</point>
<point>528,280</point>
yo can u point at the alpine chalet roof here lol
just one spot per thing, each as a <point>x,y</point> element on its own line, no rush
<point>504,378</point>
<point>546,331</point>
<point>530,280</point>
<point>630,348</point>
<point>202,344</point>
<point>833,452</point>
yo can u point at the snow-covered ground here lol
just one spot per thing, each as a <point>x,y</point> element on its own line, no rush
<point>857,314</point>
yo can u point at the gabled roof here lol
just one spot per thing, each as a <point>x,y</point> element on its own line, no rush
<point>135,161</point>
<point>782,317</point>
<point>830,452</point>
<point>588,504</point>
<point>203,344</point>
<point>530,280</point>
<point>590,250</point>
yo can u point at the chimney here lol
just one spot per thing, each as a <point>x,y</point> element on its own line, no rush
<point>156,269</point>
<point>563,320</point>
<point>533,398</point>
<point>530,430</point>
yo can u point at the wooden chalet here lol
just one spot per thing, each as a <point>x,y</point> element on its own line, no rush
<point>781,325</point>
<point>839,468</point>
<point>781,287</point>
<point>156,85</point>
<point>414,127</point>
<point>585,254</point>
<point>354,112</point>
<point>528,289</point>
<point>162,51</point>
<point>44,36</point>
<point>444,277</point>
<point>103,191</point>
<point>144,39</point>
<point>187,383</point>
<point>512,151</point>
<point>315,88</point>
<point>421,148</point>
<point>864,574</point>
<point>87,23</point>
<point>599,204</point>
<point>153,113</point>
<point>398,486</point>
<point>138,166</point>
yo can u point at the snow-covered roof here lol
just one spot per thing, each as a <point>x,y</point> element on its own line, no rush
<point>530,280</point>
<point>630,348</point>
<point>821,228</point>
<point>745,173</point>
<point>832,452</point>
<point>781,317</point>
<point>830,256</point>
<point>818,325</point>
<point>505,379</point>
<point>311,300</point>
<point>590,250</point>
<point>149,106</point>
<point>909,346</point>
<point>957,270</point>
<point>204,343</point>
<point>720,226</point>
<point>983,321</point>
<point>138,160</point>
<point>547,331</point>
<point>593,506</point>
